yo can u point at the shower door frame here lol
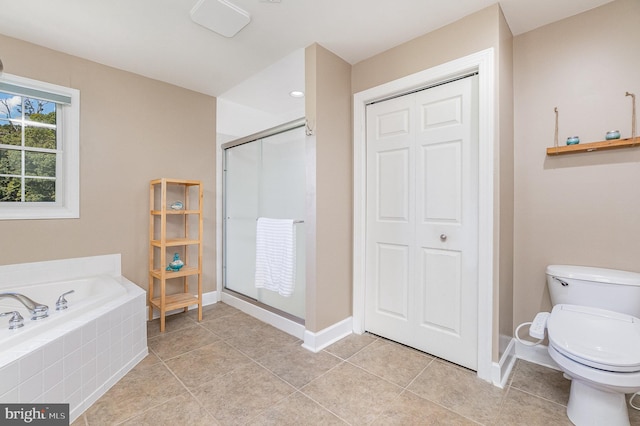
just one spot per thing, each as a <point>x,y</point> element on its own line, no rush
<point>291,125</point>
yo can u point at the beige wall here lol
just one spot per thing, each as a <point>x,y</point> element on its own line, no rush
<point>471,34</point>
<point>132,129</point>
<point>579,209</point>
<point>328,111</point>
<point>479,31</point>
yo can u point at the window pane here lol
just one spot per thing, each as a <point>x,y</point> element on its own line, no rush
<point>10,106</point>
<point>39,137</point>
<point>10,162</point>
<point>39,190</point>
<point>9,189</point>
<point>39,164</point>
<point>10,134</point>
<point>39,110</point>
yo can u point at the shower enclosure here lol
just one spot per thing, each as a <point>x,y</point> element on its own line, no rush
<point>264,176</point>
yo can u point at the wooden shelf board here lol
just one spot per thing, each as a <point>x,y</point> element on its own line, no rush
<point>183,272</point>
<point>175,242</point>
<point>187,182</point>
<point>176,212</point>
<point>176,301</point>
<point>593,146</point>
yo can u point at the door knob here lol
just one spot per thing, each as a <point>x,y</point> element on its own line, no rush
<point>443,237</point>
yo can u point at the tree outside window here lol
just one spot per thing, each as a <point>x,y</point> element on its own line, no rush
<point>29,149</point>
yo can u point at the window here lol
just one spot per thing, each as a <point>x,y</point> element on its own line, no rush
<point>39,149</point>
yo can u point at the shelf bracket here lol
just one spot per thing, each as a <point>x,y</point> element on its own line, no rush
<point>555,137</point>
<point>633,116</point>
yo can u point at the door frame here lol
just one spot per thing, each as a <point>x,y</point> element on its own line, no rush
<point>483,63</point>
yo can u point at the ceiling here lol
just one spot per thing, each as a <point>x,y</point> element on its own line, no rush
<point>157,38</point>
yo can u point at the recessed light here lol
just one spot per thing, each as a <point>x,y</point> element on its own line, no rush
<point>296,94</point>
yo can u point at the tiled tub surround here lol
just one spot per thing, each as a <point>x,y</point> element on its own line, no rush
<point>73,356</point>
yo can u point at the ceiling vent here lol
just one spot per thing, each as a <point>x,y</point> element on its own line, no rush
<point>220,16</point>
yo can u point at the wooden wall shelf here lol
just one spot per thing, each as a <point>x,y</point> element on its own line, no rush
<point>593,146</point>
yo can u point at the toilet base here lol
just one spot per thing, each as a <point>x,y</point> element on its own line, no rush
<point>591,406</point>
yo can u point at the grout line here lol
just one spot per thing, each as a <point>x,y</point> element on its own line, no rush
<point>323,406</point>
<point>187,389</point>
<point>537,396</point>
<point>341,362</point>
<point>443,406</point>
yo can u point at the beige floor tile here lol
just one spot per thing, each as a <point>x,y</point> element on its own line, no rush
<point>296,365</point>
<point>541,381</point>
<point>142,388</point>
<point>459,390</point>
<point>233,369</point>
<point>206,363</point>
<point>80,421</point>
<point>296,410</point>
<point>410,409</point>
<point>391,361</point>
<point>182,410</point>
<point>241,395</point>
<point>351,393</point>
<point>149,360</point>
<point>211,312</point>
<point>261,341</point>
<point>347,347</point>
<point>521,408</point>
<point>169,345</point>
<point>172,323</point>
<point>232,326</point>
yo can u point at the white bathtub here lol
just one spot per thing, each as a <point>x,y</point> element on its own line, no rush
<point>73,356</point>
<point>89,294</point>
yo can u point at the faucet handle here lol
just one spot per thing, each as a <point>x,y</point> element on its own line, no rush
<point>16,321</point>
<point>61,304</point>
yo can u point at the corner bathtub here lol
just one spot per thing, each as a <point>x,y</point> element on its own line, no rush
<point>75,355</point>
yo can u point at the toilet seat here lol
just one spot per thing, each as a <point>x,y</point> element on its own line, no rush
<point>597,338</point>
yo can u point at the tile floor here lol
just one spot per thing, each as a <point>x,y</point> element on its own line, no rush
<point>233,369</point>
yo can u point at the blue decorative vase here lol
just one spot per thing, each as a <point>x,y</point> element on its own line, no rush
<point>572,140</point>
<point>614,134</point>
<point>175,264</point>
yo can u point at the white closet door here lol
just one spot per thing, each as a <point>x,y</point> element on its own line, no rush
<point>422,221</point>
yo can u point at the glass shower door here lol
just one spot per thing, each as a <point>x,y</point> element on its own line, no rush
<point>264,178</point>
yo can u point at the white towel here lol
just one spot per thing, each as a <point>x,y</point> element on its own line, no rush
<point>275,255</point>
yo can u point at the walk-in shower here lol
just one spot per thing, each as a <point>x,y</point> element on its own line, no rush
<point>264,177</point>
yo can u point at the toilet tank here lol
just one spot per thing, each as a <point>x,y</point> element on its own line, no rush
<point>610,289</point>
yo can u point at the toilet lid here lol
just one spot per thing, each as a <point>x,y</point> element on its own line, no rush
<point>596,337</point>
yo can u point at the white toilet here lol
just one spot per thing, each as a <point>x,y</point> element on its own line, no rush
<point>594,336</point>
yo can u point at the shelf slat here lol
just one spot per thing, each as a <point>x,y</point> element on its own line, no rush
<point>175,242</point>
<point>176,301</point>
<point>593,146</point>
<point>187,182</point>
<point>176,212</point>
<point>183,272</point>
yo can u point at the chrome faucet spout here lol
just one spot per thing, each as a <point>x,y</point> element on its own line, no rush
<point>37,310</point>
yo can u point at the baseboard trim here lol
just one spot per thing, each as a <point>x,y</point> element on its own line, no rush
<point>315,342</point>
<point>283,324</point>
<point>538,354</point>
<point>500,371</point>
<point>207,299</point>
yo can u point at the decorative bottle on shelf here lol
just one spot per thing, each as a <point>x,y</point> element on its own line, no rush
<point>176,263</point>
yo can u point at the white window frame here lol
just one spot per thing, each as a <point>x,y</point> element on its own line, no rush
<point>67,204</point>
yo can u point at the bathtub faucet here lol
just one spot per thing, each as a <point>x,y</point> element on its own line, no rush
<point>37,310</point>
